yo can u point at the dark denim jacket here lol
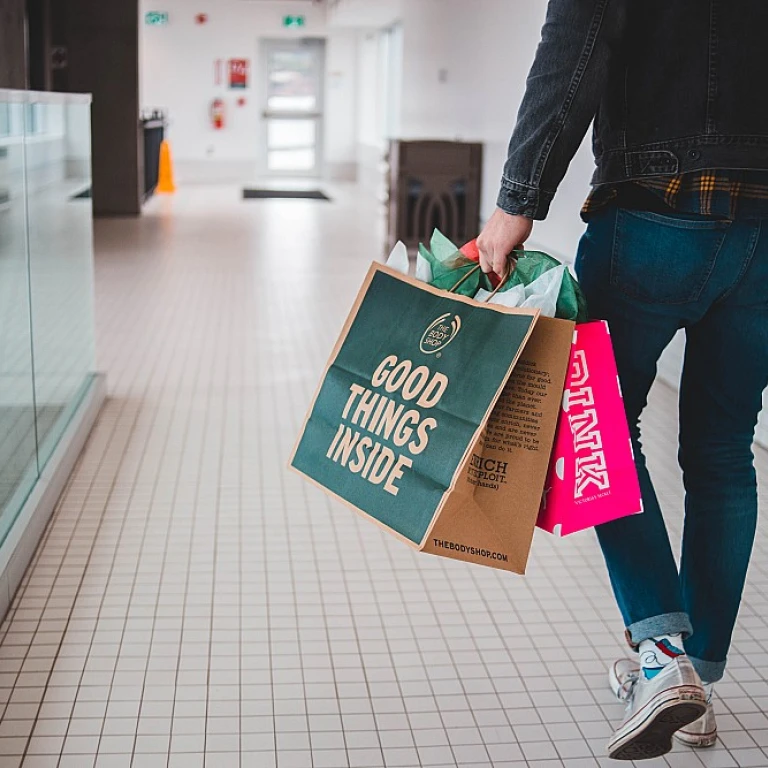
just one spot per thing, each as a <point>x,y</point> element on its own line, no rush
<point>672,85</point>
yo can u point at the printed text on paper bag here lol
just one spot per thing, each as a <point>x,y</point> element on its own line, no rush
<point>591,469</point>
<point>515,423</point>
<point>375,418</point>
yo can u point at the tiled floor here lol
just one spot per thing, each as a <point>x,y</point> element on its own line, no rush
<point>193,604</point>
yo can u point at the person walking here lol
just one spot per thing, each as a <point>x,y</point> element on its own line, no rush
<point>676,238</point>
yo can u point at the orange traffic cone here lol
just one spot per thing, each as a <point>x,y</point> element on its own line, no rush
<point>165,182</point>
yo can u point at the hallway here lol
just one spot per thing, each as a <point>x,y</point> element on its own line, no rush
<point>194,604</point>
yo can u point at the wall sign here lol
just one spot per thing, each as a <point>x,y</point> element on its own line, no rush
<point>238,73</point>
<point>294,21</point>
<point>156,18</point>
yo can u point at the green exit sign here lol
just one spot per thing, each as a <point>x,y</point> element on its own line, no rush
<point>156,18</point>
<point>293,21</point>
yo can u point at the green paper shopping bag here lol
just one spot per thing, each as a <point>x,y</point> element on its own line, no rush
<point>400,428</point>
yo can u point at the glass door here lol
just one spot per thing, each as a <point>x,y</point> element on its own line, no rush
<point>293,112</point>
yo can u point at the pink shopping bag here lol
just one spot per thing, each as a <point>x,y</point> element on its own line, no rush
<point>592,477</point>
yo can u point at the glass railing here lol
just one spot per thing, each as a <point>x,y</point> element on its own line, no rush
<point>46,282</point>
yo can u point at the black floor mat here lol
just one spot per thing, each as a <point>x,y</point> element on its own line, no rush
<point>284,194</point>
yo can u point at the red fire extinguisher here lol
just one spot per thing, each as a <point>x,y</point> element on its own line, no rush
<point>217,114</point>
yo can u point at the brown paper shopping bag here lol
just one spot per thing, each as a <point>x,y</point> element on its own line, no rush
<point>490,514</point>
<point>436,417</point>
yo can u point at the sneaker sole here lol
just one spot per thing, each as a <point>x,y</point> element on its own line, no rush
<point>698,741</point>
<point>651,735</point>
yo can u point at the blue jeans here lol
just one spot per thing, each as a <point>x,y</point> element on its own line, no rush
<point>649,275</point>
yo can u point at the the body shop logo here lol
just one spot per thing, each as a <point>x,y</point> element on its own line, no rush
<point>440,334</point>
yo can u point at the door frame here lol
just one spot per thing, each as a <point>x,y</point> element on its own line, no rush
<point>266,46</point>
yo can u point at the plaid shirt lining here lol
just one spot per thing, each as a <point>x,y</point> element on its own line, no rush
<point>707,193</point>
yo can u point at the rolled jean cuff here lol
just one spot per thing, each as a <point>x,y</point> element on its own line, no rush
<point>709,671</point>
<point>656,626</point>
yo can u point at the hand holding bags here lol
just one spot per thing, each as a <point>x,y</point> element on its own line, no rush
<point>437,413</point>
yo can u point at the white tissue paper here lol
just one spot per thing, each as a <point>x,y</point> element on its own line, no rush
<point>423,269</point>
<point>541,294</point>
<point>398,259</point>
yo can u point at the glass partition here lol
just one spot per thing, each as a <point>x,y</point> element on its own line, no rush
<point>46,282</point>
<point>60,263</point>
<point>18,444</point>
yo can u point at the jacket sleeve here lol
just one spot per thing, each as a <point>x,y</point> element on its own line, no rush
<point>564,88</point>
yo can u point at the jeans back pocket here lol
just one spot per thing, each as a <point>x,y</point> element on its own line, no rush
<point>664,259</point>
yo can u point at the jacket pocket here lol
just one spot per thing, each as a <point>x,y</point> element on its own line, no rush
<point>664,259</point>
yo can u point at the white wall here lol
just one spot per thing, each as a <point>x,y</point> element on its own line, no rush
<point>341,104</point>
<point>371,144</point>
<point>177,73</point>
<point>379,113</point>
<point>370,14</point>
<point>368,98</point>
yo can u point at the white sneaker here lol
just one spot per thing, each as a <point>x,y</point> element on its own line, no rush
<point>700,733</point>
<point>656,708</point>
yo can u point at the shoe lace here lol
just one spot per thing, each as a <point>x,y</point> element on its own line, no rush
<point>627,688</point>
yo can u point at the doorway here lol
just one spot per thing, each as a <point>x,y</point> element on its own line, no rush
<point>293,106</point>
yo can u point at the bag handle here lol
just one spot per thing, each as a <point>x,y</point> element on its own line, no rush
<point>502,282</point>
<point>465,278</point>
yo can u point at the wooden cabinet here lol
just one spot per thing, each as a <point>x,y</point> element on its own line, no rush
<point>434,184</point>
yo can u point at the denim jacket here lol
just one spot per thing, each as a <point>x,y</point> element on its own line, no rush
<point>673,86</point>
